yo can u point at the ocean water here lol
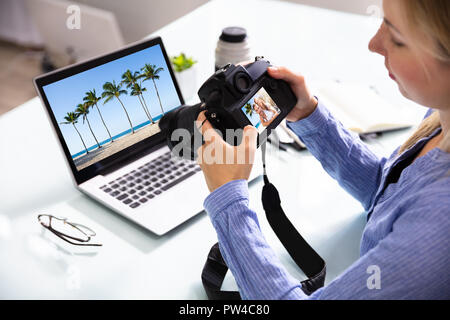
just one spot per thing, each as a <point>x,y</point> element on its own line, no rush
<point>143,124</point>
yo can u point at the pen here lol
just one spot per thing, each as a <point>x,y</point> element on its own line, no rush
<point>370,136</point>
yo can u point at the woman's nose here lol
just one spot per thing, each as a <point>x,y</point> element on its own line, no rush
<point>376,44</point>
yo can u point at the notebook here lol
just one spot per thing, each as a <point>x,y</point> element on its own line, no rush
<point>360,109</point>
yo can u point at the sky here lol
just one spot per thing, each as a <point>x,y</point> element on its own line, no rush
<point>66,94</point>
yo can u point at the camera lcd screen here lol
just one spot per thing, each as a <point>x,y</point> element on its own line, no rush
<point>261,110</point>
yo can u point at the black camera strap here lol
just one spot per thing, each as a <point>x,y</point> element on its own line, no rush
<point>301,252</point>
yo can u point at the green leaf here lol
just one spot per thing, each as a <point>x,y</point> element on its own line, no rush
<point>181,62</point>
<point>249,109</point>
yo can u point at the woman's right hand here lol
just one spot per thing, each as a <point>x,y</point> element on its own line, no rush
<point>306,102</point>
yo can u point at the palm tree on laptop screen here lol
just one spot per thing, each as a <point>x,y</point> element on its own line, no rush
<point>150,71</point>
<point>137,90</point>
<point>112,90</point>
<point>83,109</point>
<point>91,99</point>
<point>130,80</point>
<point>72,118</point>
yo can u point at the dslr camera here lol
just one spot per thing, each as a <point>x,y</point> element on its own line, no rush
<point>233,97</point>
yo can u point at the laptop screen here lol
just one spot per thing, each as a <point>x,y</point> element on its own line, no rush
<point>112,106</point>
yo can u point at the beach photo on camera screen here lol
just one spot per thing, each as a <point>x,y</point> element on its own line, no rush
<point>261,110</point>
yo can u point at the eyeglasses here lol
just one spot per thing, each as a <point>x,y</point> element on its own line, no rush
<point>73,233</point>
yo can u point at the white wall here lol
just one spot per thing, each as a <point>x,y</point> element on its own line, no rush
<point>354,6</point>
<point>138,18</point>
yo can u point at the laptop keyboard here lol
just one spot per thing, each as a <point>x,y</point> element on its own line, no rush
<point>150,180</point>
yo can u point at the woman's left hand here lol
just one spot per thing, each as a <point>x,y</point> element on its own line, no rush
<point>221,162</point>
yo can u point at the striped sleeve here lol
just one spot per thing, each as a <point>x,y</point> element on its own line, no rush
<point>253,263</point>
<point>411,262</point>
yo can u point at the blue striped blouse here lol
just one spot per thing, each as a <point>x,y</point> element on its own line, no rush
<point>406,238</point>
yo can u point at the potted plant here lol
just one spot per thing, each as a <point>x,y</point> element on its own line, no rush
<point>186,74</point>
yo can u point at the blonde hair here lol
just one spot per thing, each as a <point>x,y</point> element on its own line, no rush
<point>431,19</point>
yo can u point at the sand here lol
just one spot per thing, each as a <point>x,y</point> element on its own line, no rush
<point>110,148</point>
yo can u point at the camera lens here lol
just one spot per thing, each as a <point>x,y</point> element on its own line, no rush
<point>181,118</point>
<point>242,82</point>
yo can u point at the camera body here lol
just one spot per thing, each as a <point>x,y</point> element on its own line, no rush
<point>233,97</point>
<point>226,93</point>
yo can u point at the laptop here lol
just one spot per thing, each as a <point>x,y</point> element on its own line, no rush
<point>105,113</point>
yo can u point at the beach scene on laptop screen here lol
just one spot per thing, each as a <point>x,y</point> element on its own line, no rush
<point>108,108</point>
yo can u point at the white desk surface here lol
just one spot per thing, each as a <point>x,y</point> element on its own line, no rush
<point>134,263</point>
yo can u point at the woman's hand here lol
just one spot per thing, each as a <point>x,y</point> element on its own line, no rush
<point>306,102</point>
<point>221,162</point>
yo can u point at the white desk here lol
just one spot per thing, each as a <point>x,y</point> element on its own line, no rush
<point>133,263</point>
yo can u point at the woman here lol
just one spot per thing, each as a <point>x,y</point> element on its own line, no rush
<point>407,196</point>
<point>266,112</point>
